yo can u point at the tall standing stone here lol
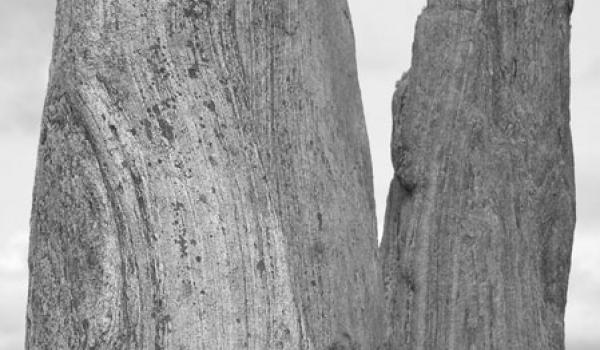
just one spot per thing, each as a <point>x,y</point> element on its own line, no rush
<point>481,211</point>
<point>203,180</point>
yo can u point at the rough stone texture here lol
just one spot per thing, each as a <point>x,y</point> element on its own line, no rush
<point>203,181</point>
<point>481,211</point>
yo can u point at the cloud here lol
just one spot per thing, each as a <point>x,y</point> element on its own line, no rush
<point>383,33</point>
<point>585,127</point>
<point>13,294</point>
<point>17,156</point>
<point>582,317</point>
<point>581,346</point>
<point>13,256</point>
<point>585,46</point>
<point>24,61</point>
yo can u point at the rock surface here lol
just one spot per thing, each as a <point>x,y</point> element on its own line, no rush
<point>481,211</point>
<point>203,180</point>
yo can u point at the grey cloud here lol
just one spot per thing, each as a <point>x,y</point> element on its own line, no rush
<point>13,294</point>
<point>581,346</point>
<point>384,33</point>
<point>24,58</point>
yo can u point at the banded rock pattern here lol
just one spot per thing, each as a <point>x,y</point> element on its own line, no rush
<point>203,181</point>
<point>481,210</point>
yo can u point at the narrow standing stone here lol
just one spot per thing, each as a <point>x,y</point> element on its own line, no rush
<point>481,211</point>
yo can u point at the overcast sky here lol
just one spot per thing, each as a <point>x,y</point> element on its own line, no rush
<point>384,34</point>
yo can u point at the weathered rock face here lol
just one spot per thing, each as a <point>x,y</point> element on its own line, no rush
<point>481,211</point>
<point>203,181</point>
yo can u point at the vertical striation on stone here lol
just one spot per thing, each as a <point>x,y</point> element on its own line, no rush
<point>481,210</point>
<point>203,180</point>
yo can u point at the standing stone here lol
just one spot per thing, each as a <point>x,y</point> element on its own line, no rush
<point>481,211</point>
<point>203,180</point>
